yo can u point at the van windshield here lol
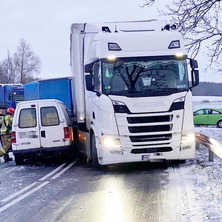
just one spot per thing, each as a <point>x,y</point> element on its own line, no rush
<point>144,76</point>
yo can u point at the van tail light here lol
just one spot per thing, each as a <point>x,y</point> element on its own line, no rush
<point>66,133</point>
<point>13,137</point>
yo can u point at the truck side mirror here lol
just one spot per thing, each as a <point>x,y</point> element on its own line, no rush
<point>195,77</point>
<point>89,67</point>
<point>89,82</point>
<point>194,73</point>
<point>193,64</point>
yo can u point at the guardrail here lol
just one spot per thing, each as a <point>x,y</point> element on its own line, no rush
<point>213,145</point>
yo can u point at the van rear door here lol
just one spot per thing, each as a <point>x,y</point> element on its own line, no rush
<point>52,125</point>
<point>27,127</point>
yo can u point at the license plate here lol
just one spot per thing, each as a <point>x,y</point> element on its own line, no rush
<point>146,157</point>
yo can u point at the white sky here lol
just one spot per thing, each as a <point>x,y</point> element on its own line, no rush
<point>45,25</point>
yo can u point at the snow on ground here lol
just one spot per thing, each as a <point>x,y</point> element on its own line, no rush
<point>207,102</point>
<point>203,179</point>
<point>203,182</point>
<point>199,180</point>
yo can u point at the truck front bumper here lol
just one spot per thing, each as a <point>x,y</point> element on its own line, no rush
<point>107,156</point>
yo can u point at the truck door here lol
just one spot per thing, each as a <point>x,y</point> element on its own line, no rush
<point>27,132</point>
<point>51,126</point>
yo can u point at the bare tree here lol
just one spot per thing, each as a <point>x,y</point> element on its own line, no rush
<point>148,2</point>
<point>26,62</point>
<point>21,67</point>
<point>7,70</point>
<point>200,22</point>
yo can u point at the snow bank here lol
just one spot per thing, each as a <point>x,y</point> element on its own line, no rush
<point>207,102</point>
<point>202,180</point>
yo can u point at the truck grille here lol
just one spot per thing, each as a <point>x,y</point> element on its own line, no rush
<point>150,119</point>
<point>150,138</point>
<point>153,144</point>
<point>150,132</point>
<point>143,129</point>
<point>151,150</point>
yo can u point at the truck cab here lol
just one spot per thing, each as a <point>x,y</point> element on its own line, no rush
<point>134,97</point>
<point>11,95</point>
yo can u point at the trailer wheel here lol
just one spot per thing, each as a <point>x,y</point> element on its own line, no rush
<point>19,160</point>
<point>94,155</point>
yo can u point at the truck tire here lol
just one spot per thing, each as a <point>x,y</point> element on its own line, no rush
<point>177,162</point>
<point>94,155</point>
<point>19,160</point>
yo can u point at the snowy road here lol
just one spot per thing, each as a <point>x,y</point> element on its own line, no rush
<point>145,192</point>
<point>132,192</point>
<point>66,192</point>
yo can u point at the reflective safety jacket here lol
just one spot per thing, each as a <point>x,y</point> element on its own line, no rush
<point>6,124</point>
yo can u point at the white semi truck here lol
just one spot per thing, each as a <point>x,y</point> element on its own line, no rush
<point>132,95</point>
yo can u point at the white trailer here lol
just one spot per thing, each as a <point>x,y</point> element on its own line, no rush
<point>132,96</point>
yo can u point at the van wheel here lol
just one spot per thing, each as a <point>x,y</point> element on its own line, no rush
<point>94,155</point>
<point>19,160</point>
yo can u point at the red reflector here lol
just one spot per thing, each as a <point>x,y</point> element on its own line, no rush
<point>66,133</point>
<point>13,137</point>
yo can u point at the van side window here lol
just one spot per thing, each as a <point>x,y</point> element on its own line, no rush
<point>49,116</point>
<point>66,113</point>
<point>27,118</point>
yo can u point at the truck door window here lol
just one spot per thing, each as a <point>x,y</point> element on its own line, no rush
<point>27,118</point>
<point>10,97</point>
<point>49,116</point>
<point>97,78</point>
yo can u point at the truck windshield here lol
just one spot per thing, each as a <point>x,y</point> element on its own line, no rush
<point>18,97</point>
<point>141,76</point>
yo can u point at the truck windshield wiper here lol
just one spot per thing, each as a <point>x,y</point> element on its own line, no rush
<point>150,91</point>
<point>121,92</point>
<point>167,90</point>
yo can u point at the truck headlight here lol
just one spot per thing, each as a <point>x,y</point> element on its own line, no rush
<point>111,142</point>
<point>188,138</point>
<point>81,118</point>
<point>120,107</point>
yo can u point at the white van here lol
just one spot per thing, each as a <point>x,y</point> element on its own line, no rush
<point>41,127</point>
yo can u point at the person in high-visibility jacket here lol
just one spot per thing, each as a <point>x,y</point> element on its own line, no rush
<point>6,134</point>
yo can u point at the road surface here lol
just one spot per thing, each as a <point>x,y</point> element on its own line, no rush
<point>72,191</point>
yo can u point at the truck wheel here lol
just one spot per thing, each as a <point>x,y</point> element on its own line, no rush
<point>19,160</point>
<point>219,124</point>
<point>94,155</point>
<point>177,162</point>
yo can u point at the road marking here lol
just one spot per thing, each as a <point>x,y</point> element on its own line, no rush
<point>23,196</point>
<point>64,170</point>
<point>33,184</point>
<point>19,192</point>
<point>54,171</point>
<point>36,188</point>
